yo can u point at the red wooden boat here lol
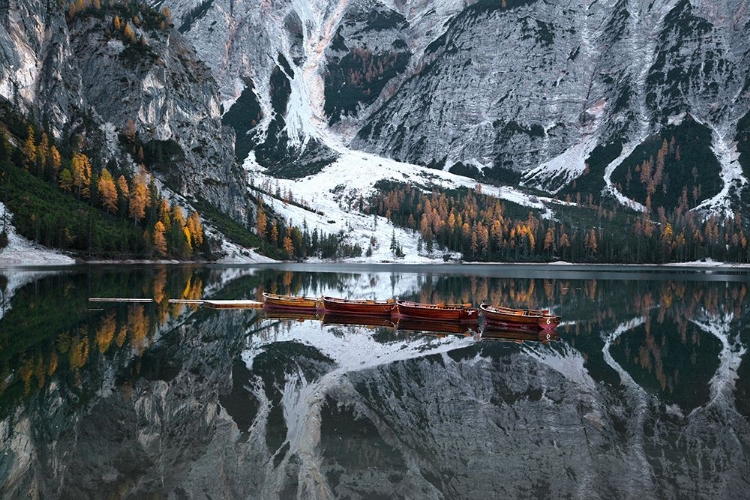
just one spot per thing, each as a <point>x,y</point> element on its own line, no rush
<point>497,332</point>
<point>437,312</point>
<point>289,302</point>
<point>366,307</point>
<point>525,318</point>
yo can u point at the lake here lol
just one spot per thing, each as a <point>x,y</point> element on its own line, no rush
<point>644,392</point>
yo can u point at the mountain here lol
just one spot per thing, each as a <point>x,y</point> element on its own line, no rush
<point>72,72</point>
<point>515,91</point>
<point>620,106</point>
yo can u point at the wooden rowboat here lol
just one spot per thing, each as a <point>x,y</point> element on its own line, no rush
<point>525,318</point>
<point>366,307</point>
<point>437,312</point>
<point>290,302</point>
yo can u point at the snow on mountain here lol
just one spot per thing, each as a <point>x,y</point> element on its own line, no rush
<point>22,252</point>
<point>334,195</point>
<point>559,171</point>
<point>441,83</point>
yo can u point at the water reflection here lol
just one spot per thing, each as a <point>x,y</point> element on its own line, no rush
<point>643,388</point>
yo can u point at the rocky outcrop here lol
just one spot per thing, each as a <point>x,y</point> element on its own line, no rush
<point>78,74</point>
<point>486,88</point>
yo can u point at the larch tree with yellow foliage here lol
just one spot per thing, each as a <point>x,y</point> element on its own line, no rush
<point>108,192</point>
<point>140,198</point>
<point>160,241</point>
<point>29,149</point>
<point>81,171</point>
<point>123,193</point>
<point>196,229</point>
<point>288,246</point>
<point>129,35</point>
<point>54,161</point>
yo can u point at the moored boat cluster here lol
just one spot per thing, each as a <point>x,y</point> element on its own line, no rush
<point>462,315</point>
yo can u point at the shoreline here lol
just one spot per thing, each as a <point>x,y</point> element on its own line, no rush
<point>550,266</point>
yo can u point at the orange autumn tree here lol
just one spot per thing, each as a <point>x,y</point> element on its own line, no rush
<point>107,191</point>
<point>81,172</point>
<point>140,198</point>
<point>160,241</point>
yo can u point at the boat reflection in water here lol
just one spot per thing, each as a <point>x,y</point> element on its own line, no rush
<point>284,314</point>
<point>495,332</point>
<point>421,326</point>
<point>439,328</point>
<point>356,320</point>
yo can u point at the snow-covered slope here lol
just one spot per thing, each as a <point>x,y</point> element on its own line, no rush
<point>22,252</point>
<point>334,195</point>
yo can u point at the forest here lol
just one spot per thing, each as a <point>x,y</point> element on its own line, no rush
<point>60,199</point>
<point>484,228</point>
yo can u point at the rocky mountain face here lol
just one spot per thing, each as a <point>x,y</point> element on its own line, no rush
<point>486,88</point>
<point>76,74</point>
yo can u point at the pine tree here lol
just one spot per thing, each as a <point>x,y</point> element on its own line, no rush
<point>66,180</point>
<point>42,151</point>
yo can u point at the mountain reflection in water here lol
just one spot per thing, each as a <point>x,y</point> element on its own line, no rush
<point>644,390</point>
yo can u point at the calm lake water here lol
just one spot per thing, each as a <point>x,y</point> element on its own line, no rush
<point>644,392</point>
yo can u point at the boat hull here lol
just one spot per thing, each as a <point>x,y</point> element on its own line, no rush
<point>364,307</point>
<point>436,312</point>
<point>515,318</point>
<point>289,302</point>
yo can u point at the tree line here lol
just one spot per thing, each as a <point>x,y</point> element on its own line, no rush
<point>483,228</point>
<point>299,242</point>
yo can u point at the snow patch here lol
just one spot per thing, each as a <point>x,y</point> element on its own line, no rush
<point>560,170</point>
<point>22,252</point>
<point>731,174</point>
